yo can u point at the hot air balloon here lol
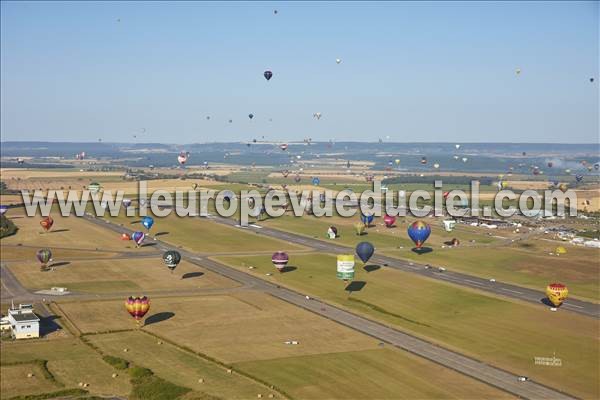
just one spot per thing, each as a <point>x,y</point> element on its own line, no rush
<point>455,242</point>
<point>338,60</point>
<point>182,158</point>
<point>171,258</point>
<point>3,209</point>
<point>423,160</point>
<point>94,187</point>
<point>280,260</point>
<point>147,222</point>
<point>457,146</point>
<point>317,115</point>
<point>557,293</point>
<point>366,218</point>
<point>316,181</point>
<point>419,231</point>
<point>126,202</point>
<point>345,267</point>
<point>47,223</point>
<point>436,165</point>
<point>138,237</point>
<point>518,71</point>
<point>578,178</point>
<point>365,251</point>
<point>389,220</point>
<point>207,117</point>
<point>250,115</point>
<point>465,159</point>
<point>332,232</point>
<point>597,166</point>
<point>524,153</point>
<point>297,179</point>
<point>563,187</point>
<point>445,195</point>
<point>125,236</point>
<point>550,164</point>
<point>268,75</point>
<point>567,171</point>
<point>137,307</point>
<point>397,161</point>
<point>359,227</point>
<point>194,186</point>
<point>44,256</point>
<point>560,250</point>
<point>283,146</point>
<point>285,173</point>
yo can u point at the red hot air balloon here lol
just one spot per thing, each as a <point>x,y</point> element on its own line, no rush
<point>280,260</point>
<point>389,220</point>
<point>47,223</point>
<point>125,236</point>
<point>446,194</point>
<point>137,307</point>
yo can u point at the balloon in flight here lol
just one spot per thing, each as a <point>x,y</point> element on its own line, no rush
<point>47,223</point>
<point>147,222</point>
<point>137,307</point>
<point>138,237</point>
<point>557,293</point>
<point>389,220</point>
<point>268,75</point>
<point>280,260</point>
<point>364,251</point>
<point>171,258</point>
<point>419,231</point>
<point>44,256</point>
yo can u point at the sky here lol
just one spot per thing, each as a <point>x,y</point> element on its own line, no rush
<point>416,72</point>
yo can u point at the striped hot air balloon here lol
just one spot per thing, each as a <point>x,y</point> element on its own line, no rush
<point>557,293</point>
<point>280,260</point>
<point>138,237</point>
<point>44,256</point>
<point>137,307</point>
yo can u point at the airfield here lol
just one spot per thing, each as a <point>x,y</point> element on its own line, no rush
<point>218,325</point>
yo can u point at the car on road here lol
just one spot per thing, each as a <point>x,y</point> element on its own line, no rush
<point>441,269</point>
<point>522,379</point>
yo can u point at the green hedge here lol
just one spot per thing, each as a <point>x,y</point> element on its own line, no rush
<point>116,362</point>
<point>7,227</point>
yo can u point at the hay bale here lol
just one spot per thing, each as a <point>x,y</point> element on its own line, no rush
<point>271,395</point>
<point>160,342</point>
<point>229,371</point>
<point>80,384</point>
<point>86,385</point>
<point>30,375</point>
<point>114,375</point>
<point>259,396</point>
<point>125,350</point>
<point>200,380</point>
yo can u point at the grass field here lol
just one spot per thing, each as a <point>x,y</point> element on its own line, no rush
<point>527,263</point>
<point>134,276</point>
<point>505,333</point>
<point>204,236</point>
<point>384,373</point>
<point>15,382</point>
<point>176,365</point>
<point>71,362</point>
<point>233,328</point>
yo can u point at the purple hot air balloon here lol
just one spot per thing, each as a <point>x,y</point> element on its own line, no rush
<point>138,237</point>
<point>280,260</point>
<point>3,210</point>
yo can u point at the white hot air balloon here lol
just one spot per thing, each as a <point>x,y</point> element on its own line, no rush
<point>465,159</point>
<point>436,165</point>
<point>457,146</point>
<point>338,60</point>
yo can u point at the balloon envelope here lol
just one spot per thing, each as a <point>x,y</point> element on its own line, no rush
<point>171,258</point>
<point>557,293</point>
<point>359,227</point>
<point>137,307</point>
<point>366,218</point>
<point>419,231</point>
<point>365,251</point>
<point>148,222</point>
<point>138,237</point>
<point>47,223</point>
<point>280,260</point>
<point>268,74</point>
<point>44,256</point>
<point>389,220</point>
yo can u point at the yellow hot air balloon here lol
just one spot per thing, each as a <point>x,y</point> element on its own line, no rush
<point>557,293</point>
<point>397,161</point>
<point>560,250</point>
<point>359,227</point>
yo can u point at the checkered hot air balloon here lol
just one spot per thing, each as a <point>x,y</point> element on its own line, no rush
<point>280,260</point>
<point>137,307</point>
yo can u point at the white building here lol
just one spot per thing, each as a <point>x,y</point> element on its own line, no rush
<point>24,324</point>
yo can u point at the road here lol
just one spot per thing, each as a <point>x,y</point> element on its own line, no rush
<point>468,366</point>
<point>498,288</point>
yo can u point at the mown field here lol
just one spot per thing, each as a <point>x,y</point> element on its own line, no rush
<point>482,252</point>
<point>502,332</point>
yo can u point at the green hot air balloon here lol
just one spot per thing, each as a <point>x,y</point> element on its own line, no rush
<point>44,256</point>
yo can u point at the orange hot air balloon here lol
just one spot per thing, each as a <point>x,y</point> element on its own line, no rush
<point>125,236</point>
<point>557,293</point>
<point>47,223</point>
<point>137,307</point>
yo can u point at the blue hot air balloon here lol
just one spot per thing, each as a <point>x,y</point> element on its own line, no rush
<point>419,231</point>
<point>316,181</point>
<point>365,251</point>
<point>148,222</point>
<point>366,218</point>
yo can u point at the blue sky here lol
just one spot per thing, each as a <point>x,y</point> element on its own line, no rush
<point>437,71</point>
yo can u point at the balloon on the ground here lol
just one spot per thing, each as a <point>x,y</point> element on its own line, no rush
<point>148,222</point>
<point>138,237</point>
<point>316,181</point>
<point>366,219</point>
<point>125,236</point>
<point>419,231</point>
<point>94,187</point>
<point>137,307</point>
<point>345,267</point>
<point>560,250</point>
<point>449,225</point>
<point>280,260</point>
<point>171,258</point>
<point>47,223</point>
<point>389,220</point>
<point>365,251</point>
<point>455,242</point>
<point>332,232</point>
<point>557,293</point>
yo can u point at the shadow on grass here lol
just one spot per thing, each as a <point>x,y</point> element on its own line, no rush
<point>371,267</point>
<point>422,250</point>
<point>158,317</point>
<point>59,230</point>
<point>355,286</point>
<point>191,275</point>
<point>287,268</point>
<point>161,233</point>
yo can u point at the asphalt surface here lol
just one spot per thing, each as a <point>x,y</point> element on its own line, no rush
<point>497,288</point>
<point>468,366</point>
